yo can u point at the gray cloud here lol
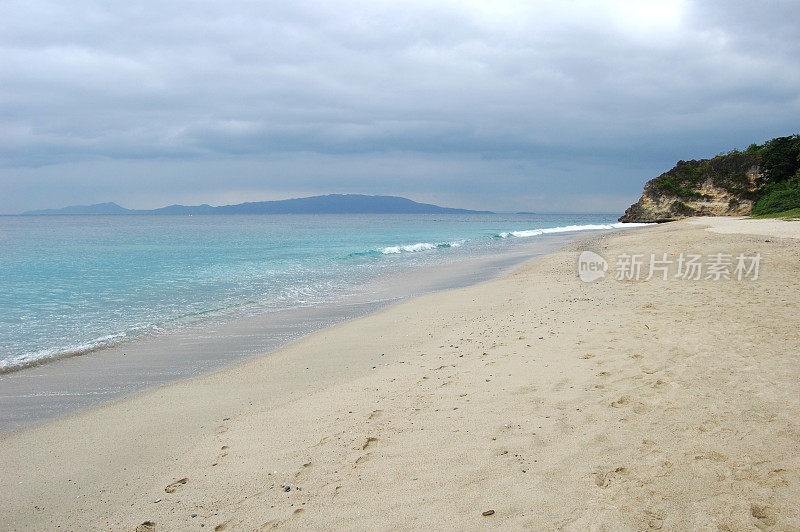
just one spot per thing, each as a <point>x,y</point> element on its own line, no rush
<point>552,105</point>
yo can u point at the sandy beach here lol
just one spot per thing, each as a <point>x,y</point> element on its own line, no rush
<point>534,401</point>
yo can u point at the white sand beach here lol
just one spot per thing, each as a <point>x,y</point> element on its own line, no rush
<point>542,400</point>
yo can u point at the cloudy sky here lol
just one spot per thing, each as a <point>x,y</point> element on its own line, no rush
<point>544,106</point>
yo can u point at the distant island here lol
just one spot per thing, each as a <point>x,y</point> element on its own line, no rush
<point>327,204</point>
<point>763,180</point>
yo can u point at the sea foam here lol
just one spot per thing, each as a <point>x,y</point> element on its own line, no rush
<point>419,246</point>
<point>40,356</point>
<point>73,285</point>
<point>567,229</point>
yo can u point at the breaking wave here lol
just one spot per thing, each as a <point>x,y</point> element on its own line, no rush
<point>566,229</point>
<point>419,246</point>
<point>41,356</point>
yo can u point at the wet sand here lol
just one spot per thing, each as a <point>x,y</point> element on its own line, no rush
<point>551,402</point>
<point>68,385</point>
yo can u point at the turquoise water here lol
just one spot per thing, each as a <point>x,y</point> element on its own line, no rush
<point>72,284</point>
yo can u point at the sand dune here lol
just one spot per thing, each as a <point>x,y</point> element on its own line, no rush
<point>554,403</point>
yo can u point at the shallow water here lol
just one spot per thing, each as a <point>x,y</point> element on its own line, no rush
<point>72,284</point>
<point>143,312</point>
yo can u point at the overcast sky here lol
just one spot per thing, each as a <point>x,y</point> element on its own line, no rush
<point>551,106</point>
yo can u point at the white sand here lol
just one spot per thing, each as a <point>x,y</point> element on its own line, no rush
<point>555,403</point>
<point>765,226</point>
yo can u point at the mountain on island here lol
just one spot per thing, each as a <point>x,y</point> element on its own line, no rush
<point>98,208</point>
<point>328,204</point>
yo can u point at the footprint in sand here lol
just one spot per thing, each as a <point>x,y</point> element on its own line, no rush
<point>361,459</point>
<point>714,456</point>
<point>221,455</point>
<point>366,445</point>
<point>323,441</point>
<point>655,518</point>
<point>777,478</point>
<point>660,383</point>
<point>278,523</point>
<point>147,526</point>
<point>369,442</point>
<point>764,514</point>
<point>560,385</point>
<point>172,488</point>
<point>303,469</point>
<point>600,479</point>
<point>525,390</point>
<point>622,401</point>
<point>603,479</point>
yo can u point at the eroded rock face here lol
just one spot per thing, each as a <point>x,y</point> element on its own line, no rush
<point>703,198</point>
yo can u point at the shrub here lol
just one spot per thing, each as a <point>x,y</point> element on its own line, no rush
<point>780,158</point>
<point>681,209</point>
<point>776,190</point>
<point>680,181</point>
<point>728,172</point>
<point>779,197</point>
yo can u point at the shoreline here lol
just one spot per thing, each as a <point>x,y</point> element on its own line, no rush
<point>64,385</point>
<point>29,339</point>
<point>553,402</point>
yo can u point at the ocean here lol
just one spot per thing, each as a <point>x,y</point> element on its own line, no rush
<point>71,285</point>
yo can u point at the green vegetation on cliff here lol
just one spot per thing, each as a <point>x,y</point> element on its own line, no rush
<point>793,214</point>
<point>779,197</point>
<point>728,172</point>
<point>780,168</point>
<point>762,179</point>
<point>779,158</point>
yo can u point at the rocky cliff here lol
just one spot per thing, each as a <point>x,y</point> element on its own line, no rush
<point>723,186</point>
